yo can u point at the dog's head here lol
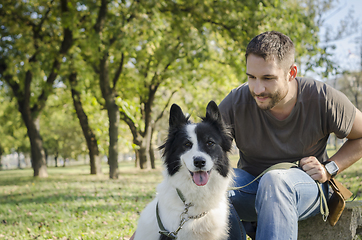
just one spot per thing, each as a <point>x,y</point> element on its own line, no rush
<point>198,148</point>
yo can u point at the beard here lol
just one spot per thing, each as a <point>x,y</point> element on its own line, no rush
<point>274,99</point>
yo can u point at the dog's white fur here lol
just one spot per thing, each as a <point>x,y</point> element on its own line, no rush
<point>210,198</point>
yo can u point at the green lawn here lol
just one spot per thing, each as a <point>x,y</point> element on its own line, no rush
<point>71,204</point>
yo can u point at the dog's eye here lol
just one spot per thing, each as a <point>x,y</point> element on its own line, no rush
<point>210,144</point>
<point>188,144</point>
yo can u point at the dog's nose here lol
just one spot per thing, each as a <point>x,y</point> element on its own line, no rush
<point>199,162</point>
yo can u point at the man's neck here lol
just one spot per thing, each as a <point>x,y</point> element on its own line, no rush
<point>283,109</point>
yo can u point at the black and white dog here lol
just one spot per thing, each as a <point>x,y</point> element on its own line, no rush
<point>192,199</point>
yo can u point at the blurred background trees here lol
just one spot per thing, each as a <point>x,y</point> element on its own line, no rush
<point>97,77</point>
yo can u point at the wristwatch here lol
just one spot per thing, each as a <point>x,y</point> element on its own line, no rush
<point>331,168</point>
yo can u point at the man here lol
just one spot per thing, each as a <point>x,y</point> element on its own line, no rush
<point>276,117</point>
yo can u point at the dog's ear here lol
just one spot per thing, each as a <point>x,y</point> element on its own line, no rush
<point>214,117</point>
<point>177,117</point>
<point>213,113</point>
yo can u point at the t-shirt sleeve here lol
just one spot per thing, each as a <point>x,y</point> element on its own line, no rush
<point>341,113</point>
<point>226,110</point>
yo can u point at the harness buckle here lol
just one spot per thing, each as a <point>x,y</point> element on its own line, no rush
<point>168,234</point>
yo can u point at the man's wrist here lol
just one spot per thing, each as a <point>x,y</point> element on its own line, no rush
<point>331,168</point>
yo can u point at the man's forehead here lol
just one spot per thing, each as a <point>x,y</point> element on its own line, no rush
<point>259,64</point>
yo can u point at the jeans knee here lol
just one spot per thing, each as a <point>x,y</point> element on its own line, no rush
<point>274,179</point>
<point>274,186</point>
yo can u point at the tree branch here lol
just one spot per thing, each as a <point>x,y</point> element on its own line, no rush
<point>166,106</point>
<point>65,46</point>
<point>118,72</point>
<point>102,14</point>
<point>131,126</point>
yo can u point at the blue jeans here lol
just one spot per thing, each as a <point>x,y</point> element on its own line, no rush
<point>277,201</point>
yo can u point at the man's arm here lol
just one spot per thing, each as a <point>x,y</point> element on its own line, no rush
<point>348,154</point>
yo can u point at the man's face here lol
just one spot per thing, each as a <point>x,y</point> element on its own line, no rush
<point>267,81</point>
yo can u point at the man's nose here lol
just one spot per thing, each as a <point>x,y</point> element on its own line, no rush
<point>259,87</point>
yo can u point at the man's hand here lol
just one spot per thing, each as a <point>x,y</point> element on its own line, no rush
<point>314,169</point>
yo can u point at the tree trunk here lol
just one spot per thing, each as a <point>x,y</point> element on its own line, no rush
<point>113,116</point>
<point>95,161</point>
<point>1,156</point>
<point>152,157</point>
<point>151,150</point>
<point>36,144</point>
<point>144,155</point>
<point>19,164</point>
<point>109,95</point>
<point>145,158</point>
<point>136,161</point>
<point>56,159</point>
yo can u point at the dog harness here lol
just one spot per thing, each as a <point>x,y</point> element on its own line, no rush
<point>184,217</point>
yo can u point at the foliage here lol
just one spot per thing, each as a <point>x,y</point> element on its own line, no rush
<point>193,52</point>
<point>350,83</point>
<point>32,34</point>
<point>12,129</point>
<point>59,127</point>
<point>141,55</point>
<point>323,61</point>
<point>35,38</point>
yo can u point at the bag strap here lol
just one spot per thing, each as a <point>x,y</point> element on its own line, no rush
<point>284,166</point>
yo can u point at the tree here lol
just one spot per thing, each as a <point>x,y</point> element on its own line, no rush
<point>324,61</point>
<point>95,161</point>
<point>139,54</point>
<point>36,37</point>
<point>102,48</point>
<point>190,43</point>
<point>350,83</point>
<point>12,129</point>
<point>61,133</point>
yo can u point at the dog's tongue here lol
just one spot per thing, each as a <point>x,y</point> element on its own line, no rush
<point>200,178</point>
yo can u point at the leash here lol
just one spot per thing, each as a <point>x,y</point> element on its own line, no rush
<point>284,166</point>
<point>184,217</point>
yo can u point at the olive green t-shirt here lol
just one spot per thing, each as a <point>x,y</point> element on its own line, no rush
<point>263,140</point>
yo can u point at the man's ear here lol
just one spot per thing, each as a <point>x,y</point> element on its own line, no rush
<point>293,72</point>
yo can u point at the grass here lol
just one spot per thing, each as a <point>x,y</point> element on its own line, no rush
<point>71,204</point>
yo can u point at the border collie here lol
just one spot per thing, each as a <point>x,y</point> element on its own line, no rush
<point>191,202</point>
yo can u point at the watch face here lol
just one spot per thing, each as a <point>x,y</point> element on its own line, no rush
<point>332,168</point>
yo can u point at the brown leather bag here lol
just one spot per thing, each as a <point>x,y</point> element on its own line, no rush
<point>337,201</point>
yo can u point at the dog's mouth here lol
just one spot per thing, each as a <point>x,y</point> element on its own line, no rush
<point>200,178</point>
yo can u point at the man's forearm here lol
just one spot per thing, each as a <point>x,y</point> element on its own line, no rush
<point>348,154</point>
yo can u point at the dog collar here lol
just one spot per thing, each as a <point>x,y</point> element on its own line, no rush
<point>184,217</point>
